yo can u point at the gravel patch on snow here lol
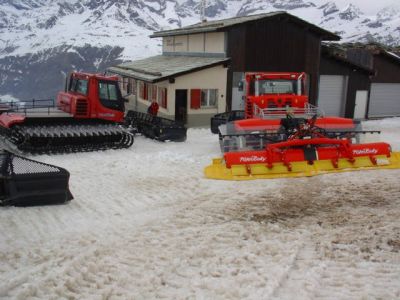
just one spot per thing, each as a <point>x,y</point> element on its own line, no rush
<point>146,224</point>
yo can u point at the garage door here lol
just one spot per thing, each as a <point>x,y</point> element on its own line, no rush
<point>331,96</point>
<point>384,100</point>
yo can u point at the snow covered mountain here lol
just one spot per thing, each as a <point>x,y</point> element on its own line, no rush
<point>42,40</point>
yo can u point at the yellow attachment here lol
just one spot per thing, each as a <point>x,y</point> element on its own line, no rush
<point>218,169</point>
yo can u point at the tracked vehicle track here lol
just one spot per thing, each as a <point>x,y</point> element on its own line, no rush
<point>46,139</point>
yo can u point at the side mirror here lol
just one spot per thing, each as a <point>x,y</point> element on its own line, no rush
<point>240,86</point>
<point>126,100</point>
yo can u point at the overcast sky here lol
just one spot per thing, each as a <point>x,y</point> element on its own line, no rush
<point>367,6</point>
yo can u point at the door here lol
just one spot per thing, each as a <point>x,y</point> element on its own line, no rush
<point>237,91</point>
<point>331,96</point>
<point>384,100</point>
<point>181,106</point>
<point>360,109</point>
<point>237,99</point>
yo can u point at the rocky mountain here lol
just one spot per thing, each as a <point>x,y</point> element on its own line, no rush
<point>42,40</point>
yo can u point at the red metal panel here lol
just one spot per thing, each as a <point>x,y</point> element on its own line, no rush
<point>327,149</point>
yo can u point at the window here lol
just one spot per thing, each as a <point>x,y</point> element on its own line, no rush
<point>128,85</point>
<point>146,91</point>
<point>132,86</point>
<point>125,81</point>
<point>79,86</point>
<point>162,97</point>
<point>205,98</point>
<point>209,98</point>
<point>143,90</point>
<point>108,91</point>
<point>277,87</point>
<point>153,92</point>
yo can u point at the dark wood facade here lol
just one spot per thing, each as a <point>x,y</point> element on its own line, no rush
<point>274,45</point>
<point>358,77</point>
<point>387,69</point>
<point>385,65</point>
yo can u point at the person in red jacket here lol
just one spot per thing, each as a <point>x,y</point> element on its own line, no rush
<point>153,108</point>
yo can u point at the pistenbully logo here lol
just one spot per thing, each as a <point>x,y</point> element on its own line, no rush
<point>253,158</point>
<point>365,151</point>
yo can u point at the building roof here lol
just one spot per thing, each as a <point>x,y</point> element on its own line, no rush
<point>349,63</point>
<point>222,25</point>
<point>391,55</point>
<point>336,52</point>
<point>375,49</point>
<point>162,67</point>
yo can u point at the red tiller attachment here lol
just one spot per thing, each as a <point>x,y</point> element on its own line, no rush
<point>308,150</point>
<point>302,158</point>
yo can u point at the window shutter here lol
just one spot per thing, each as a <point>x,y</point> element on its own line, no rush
<point>195,99</point>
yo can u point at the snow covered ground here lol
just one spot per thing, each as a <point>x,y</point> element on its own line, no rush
<point>146,224</point>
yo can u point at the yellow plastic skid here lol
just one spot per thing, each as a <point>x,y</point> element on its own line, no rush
<point>218,169</point>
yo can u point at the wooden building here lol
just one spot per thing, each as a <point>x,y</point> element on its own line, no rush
<point>384,97</point>
<point>344,85</point>
<point>270,42</point>
<point>277,42</point>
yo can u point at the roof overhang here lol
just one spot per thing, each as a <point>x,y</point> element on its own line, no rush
<point>156,71</point>
<point>335,52</point>
<point>390,55</point>
<point>349,63</point>
<point>225,24</point>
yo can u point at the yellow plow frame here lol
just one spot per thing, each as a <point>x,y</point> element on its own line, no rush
<point>218,169</point>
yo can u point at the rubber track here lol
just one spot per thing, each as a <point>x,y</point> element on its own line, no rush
<point>70,138</point>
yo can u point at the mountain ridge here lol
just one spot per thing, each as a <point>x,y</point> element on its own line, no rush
<point>63,29</point>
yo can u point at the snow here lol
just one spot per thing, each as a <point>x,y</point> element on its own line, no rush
<point>394,55</point>
<point>146,224</point>
<point>8,98</point>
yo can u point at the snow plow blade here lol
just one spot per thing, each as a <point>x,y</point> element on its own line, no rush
<point>219,170</point>
<point>157,128</point>
<point>25,182</point>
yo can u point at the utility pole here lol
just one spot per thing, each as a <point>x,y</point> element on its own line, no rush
<point>203,10</point>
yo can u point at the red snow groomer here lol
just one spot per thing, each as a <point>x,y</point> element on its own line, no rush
<point>269,98</point>
<point>307,151</point>
<point>86,117</point>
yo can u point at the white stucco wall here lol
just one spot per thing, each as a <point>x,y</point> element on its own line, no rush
<point>211,78</point>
